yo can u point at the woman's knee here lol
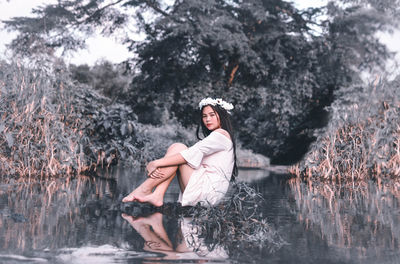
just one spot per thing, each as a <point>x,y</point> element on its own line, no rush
<point>176,148</point>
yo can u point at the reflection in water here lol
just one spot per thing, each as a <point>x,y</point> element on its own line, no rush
<point>184,244</point>
<point>82,218</point>
<point>48,214</point>
<point>360,219</point>
<point>45,216</point>
<point>235,229</point>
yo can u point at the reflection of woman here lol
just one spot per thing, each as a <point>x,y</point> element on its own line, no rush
<point>152,231</point>
<point>204,169</point>
<point>188,245</point>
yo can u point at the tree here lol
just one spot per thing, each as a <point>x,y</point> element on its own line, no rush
<point>263,55</point>
<point>111,80</point>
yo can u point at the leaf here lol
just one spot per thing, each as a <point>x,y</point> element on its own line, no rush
<point>124,130</point>
<point>10,140</point>
<point>122,153</point>
<point>130,147</point>
<point>107,124</point>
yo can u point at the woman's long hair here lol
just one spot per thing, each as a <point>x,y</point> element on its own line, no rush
<point>225,121</point>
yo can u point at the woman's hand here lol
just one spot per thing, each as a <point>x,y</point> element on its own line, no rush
<point>153,171</point>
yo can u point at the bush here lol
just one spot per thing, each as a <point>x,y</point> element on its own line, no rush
<point>362,139</point>
<point>156,139</point>
<point>40,129</point>
<point>51,126</point>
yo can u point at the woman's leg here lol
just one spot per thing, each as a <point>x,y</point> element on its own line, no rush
<point>144,193</point>
<point>156,198</point>
<point>152,230</point>
<point>185,171</point>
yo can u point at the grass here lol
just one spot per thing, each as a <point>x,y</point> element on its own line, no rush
<point>40,130</point>
<point>51,126</point>
<point>362,140</point>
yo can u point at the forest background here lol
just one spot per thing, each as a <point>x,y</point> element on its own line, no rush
<point>296,78</point>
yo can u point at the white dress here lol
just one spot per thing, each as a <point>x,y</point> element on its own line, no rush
<point>212,160</point>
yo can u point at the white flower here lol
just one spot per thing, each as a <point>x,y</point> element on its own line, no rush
<point>210,101</point>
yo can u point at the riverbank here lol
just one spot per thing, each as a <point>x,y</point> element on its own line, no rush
<point>362,139</point>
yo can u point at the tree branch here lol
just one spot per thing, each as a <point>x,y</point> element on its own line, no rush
<point>98,11</point>
<point>156,8</point>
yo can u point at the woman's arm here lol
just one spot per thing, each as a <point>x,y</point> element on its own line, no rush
<point>210,144</point>
<point>153,166</point>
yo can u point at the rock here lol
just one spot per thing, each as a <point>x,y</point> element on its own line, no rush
<point>252,174</point>
<point>248,159</point>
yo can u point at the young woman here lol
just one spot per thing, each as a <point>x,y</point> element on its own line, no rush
<point>204,170</point>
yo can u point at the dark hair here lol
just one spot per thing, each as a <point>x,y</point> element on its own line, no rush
<point>225,121</point>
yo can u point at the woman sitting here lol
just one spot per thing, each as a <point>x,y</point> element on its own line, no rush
<point>204,170</point>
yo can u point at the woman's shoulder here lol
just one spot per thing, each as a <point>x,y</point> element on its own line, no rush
<point>222,132</point>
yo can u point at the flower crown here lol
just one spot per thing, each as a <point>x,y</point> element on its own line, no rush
<point>209,101</point>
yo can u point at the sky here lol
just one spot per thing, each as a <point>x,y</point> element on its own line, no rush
<point>98,47</point>
<point>107,48</point>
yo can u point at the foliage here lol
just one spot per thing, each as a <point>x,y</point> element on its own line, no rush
<point>259,62</point>
<point>50,126</point>
<point>111,80</point>
<point>156,139</point>
<point>265,56</point>
<point>362,140</point>
<point>237,224</point>
<point>56,25</point>
<point>111,134</point>
<point>40,129</point>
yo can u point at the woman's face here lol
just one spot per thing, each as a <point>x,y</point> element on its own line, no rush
<point>210,118</point>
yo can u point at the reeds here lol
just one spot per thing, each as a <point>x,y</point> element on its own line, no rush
<point>362,140</point>
<point>41,132</point>
<point>51,126</point>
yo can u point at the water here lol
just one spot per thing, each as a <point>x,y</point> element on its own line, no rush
<point>81,220</point>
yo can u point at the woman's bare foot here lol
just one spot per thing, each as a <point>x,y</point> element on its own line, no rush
<point>128,218</point>
<point>148,220</point>
<point>154,219</point>
<point>138,192</point>
<point>138,223</point>
<point>151,198</point>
